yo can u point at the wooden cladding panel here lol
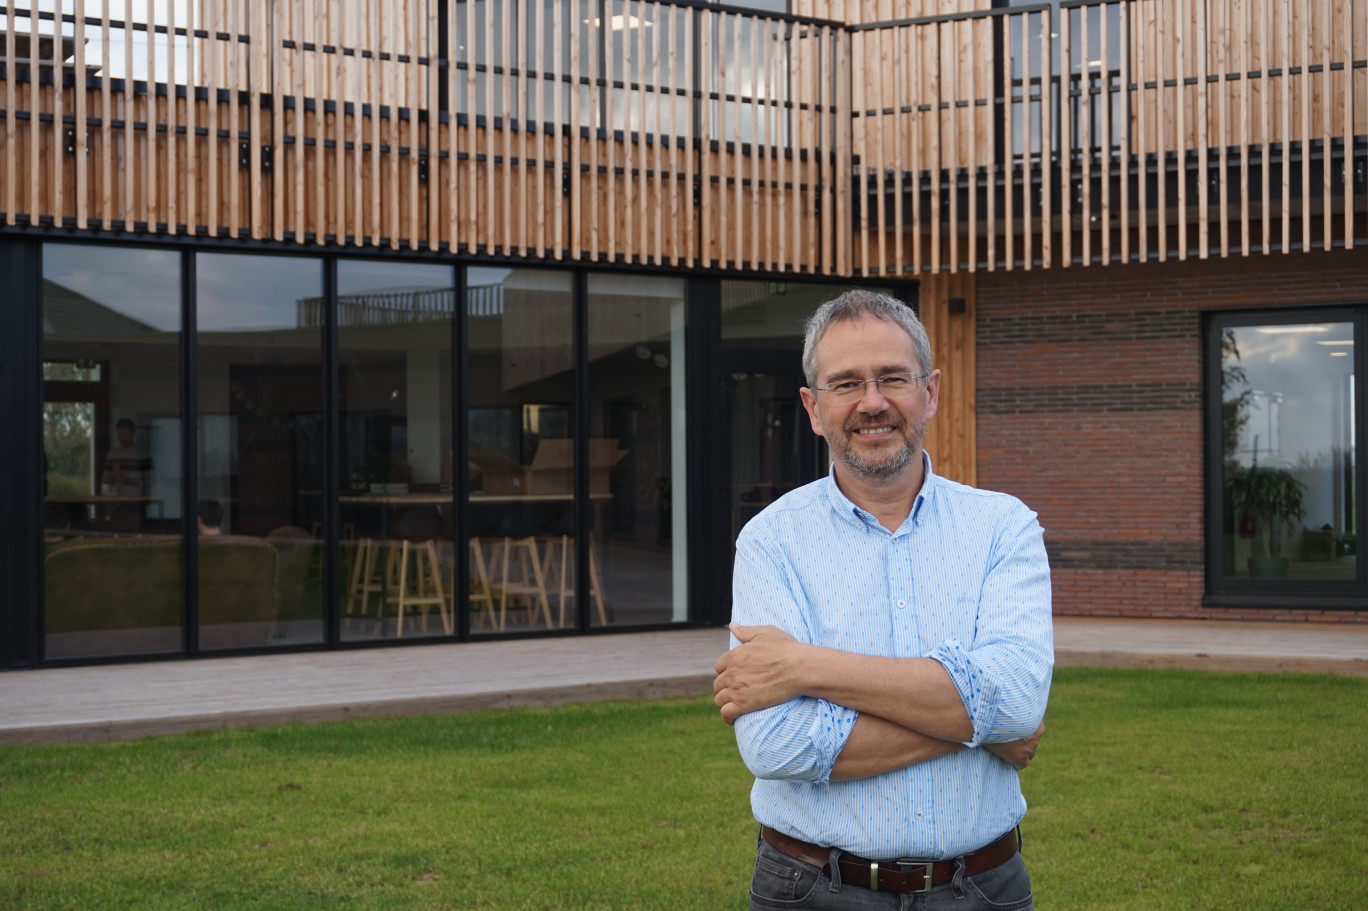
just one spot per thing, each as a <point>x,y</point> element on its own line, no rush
<point>323,122</point>
<point>1115,131</point>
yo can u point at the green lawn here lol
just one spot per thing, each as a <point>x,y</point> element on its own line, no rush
<point>1154,789</point>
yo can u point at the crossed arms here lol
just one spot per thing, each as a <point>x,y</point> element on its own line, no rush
<point>770,668</point>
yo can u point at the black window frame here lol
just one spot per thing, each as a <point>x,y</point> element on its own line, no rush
<point>1309,594</point>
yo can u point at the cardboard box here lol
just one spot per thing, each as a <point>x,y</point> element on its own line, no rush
<point>552,471</point>
<point>498,474</point>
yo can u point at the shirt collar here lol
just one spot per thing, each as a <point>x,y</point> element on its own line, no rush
<point>851,513</point>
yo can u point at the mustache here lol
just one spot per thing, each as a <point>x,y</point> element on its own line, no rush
<point>885,418</point>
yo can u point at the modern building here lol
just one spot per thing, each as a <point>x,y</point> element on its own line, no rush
<point>326,324</point>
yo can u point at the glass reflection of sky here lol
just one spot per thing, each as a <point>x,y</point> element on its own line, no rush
<point>142,284</point>
<point>1299,410</point>
<point>253,292</point>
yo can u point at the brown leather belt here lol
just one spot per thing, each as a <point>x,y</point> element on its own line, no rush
<point>893,875</point>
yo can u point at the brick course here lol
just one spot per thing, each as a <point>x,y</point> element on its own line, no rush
<point>1089,386</point>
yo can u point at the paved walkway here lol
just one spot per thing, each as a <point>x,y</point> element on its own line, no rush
<point>134,700</point>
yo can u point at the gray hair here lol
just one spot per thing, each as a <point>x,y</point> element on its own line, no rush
<point>861,303</point>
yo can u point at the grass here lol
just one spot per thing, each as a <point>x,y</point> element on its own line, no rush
<point>1152,789</point>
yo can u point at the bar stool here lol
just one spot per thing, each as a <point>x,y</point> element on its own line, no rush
<point>481,591</point>
<point>417,583</point>
<point>528,579</point>
<point>567,580</point>
<point>365,581</point>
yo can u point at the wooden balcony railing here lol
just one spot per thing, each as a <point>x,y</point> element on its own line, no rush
<point>1065,133</point>
<point>648,132</point>
<point>1104,131</point>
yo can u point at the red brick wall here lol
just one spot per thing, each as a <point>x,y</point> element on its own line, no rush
<point>1090,410</point>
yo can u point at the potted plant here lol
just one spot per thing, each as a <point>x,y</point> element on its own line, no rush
<point>1268,496</point>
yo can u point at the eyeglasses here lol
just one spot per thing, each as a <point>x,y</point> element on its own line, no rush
<point>891,385</point>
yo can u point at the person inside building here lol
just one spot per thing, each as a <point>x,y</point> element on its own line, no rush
<point>128,467</point>
<point>892,647</point>
<point>209,518</point>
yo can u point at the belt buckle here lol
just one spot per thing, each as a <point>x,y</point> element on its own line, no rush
<point>907,865</point>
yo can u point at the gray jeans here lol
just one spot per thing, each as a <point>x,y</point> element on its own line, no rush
<point>782,882</point>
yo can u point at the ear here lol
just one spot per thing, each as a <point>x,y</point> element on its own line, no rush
<point>932,394</point>
<point>810,403</point>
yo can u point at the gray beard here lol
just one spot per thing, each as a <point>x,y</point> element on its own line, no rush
<point>884,471</point>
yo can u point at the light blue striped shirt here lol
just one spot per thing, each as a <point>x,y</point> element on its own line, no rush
<point>964,580</point>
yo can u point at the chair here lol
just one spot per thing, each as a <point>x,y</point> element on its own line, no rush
<point>415,580</point>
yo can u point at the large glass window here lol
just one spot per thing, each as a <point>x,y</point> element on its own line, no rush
<point>519,424</point>
<point>395,402</point>
<point>112,446</point>
<point>637,496</point>
<point>1289,498</point>
<point>260,450</point>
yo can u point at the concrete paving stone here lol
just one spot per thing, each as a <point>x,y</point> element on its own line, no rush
<point>123,701</point>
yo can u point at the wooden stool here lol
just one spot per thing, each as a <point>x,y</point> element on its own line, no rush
<point>529,579</point>
<point>481,592</point>
<point>567,581</point>
<point>417,582</point>
<point>365,582</point>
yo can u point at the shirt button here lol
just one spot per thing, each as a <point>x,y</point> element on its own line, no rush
<point>902,603</point>
<point>920,814</point>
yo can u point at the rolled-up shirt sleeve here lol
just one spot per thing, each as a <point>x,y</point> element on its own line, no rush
<point>800,739</point>
<point>1003,678</point>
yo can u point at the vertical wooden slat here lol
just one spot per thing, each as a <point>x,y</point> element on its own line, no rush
<point>573,132</point>
<point>691,232</point>
<point>1244,140</point>
<point>34,162</point>
<point>1285,130</point>
<point>453,179</point>
<point>11,118</point>
<point>752,215</point>
<point>1027,234</point>
<point>860,139</point>
<point>984,156</point>
<point>876,144</point>
<point>233,83</point>
<point>823,149</point>
<point>607,215</point>
<point>896,101</point>
<point>106,127</point>
<point>347,132</point>
<point>558,129</point>
<point>392,98</point>
<point>1106,120</point>
<point>1124,144</point>
<point>472,224</point>
<point>631,147</point>
<point>1347,31</point>
<point>1066,89</point>
<point>172,165</point>
<point>80,119</point>
<point>707,28</point>
<point>1139,34</point>
<point>673,134</point>
<point>1047,102</point>
<point>639,73</point>
<point>1327,109</point>
<point>774,184</point>
<point>662,99</point>
<point>1203,145</point>
<point>192,144</point>
<point>951,160</point>
<point>150,118</point>
<point>1303,43</point>
<point>506,113</point>
<point>1085,134</point>
<point>935,154</point>
<point>1223,123</point>
<point>535,170</point>
<point>256,75</point>
<point>841,109</point>
<point>1266,123</point>
<point>1163,122</point>
<point>1180,130</point>
<point>415,46</point>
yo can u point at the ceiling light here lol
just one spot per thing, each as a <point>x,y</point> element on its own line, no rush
<point>1290,330</point>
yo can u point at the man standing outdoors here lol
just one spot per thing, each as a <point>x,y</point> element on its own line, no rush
<point>892,648</point>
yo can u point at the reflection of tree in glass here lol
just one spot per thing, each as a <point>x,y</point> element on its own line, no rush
<point>1234,405</point>
<point>68,436</point>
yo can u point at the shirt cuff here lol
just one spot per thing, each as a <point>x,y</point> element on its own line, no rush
<point>830,729</point>
<point>977,690</point>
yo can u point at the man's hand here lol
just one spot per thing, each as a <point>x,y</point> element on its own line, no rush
<point>1018,752</point>
<point>759,673</point>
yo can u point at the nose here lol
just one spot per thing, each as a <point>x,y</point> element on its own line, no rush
<point>872,400</point>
